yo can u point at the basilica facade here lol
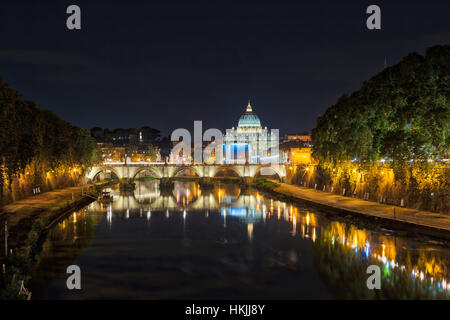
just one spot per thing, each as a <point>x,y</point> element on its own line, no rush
<point>249,142</point>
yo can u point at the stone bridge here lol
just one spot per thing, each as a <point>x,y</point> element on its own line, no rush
<point>129,171</point>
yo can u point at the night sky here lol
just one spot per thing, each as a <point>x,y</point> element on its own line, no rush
<point>165,64</point>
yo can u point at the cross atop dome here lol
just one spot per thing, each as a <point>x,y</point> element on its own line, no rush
<point>249,107</point>
<point>249,120</point>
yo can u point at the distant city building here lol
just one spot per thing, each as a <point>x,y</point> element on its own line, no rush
<point>249,142</point>
<point>299,156</point>
<point>133,144</point>
<point>297,151</point>
<point>297,148</point>
<point>304,137</point>
<point>123,137</point>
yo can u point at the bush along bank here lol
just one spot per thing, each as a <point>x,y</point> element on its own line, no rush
<point>264,184</point>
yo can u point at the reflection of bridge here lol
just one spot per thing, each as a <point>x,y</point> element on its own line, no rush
<point>153,201</point>
<point>158,202</point>
<point>165,202</point>
<point>184,196</point>
<point>160,170</point>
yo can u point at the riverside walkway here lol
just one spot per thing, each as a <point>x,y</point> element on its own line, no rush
<point>21,214</point>
<point>46,201</point>
<point>412,217</point>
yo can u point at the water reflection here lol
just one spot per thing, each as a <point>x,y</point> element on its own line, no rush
<point>195,243</point>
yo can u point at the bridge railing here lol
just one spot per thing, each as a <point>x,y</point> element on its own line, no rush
<point>134,163</point>
<point>182,164</point>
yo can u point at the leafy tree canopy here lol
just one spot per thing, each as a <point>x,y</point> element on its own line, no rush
<point>402,113</point>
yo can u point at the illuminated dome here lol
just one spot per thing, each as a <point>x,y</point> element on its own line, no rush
<point>249,119</point>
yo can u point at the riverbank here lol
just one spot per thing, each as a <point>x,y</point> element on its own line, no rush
<point>46,205</point>
<point>424,222</point>
<point>28,220</point>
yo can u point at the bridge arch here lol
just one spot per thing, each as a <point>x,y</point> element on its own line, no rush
<point>99,169</point>
<point>230,168</point>
<point>195,169</point>
<point>276,172</point>
<point>148,169</point>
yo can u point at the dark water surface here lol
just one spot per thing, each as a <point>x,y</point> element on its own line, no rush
<point>228,243</point>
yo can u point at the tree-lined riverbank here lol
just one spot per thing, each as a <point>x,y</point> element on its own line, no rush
<point>38,150</point>
<point>390,139</point>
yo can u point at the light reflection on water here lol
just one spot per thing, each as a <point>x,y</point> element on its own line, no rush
<point>229,243</point>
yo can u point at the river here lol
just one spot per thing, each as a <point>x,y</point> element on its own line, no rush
<point>228,243</point>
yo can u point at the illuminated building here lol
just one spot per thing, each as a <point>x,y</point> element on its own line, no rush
<point>249,142</point>
<point>299,156</point>
<point>305,138</point>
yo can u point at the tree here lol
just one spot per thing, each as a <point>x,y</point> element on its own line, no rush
<point>153,152</point>
<point>37,140</point>
<point>401,113</point>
